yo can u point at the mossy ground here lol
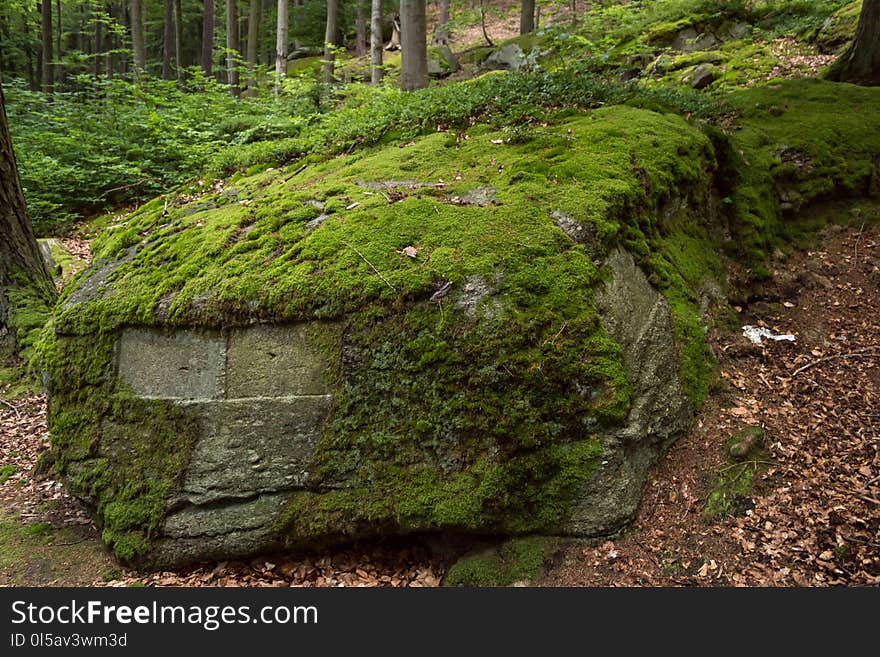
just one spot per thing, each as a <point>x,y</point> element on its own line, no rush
<point>41,554</point>
<point>518,561</point>
<point>732,491</point>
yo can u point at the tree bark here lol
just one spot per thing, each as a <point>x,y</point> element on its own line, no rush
<point>208,38</point>
<point>330,39</point>
<point>99,47</point>
<point>24,279</point>
<point>253,38</point>
<point>527,16</point>
<point>376,41</point>
<point>413,45</point>
<point>360,42</point>
<point>137,36</point>
<point>441,32</point>
<point>281,44</point>
<point>860,64</point>
<point>167,39</point>
<point>48,76</point>
<point>59,71</point>
<point>178,40</point>
<point>232,47</point>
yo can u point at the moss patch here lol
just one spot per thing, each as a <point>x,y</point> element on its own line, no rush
<point>732,491</point>
<point>516,561</point>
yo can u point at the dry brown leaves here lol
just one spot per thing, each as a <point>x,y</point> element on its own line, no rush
<point>815,519</point>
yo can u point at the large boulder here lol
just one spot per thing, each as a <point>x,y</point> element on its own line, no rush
<point>231,377</point>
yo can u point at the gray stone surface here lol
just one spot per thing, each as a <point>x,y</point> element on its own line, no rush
<point>579,232</point>
<point>638,318</point>
<point>177,365</point>
<point>509,58</point>
<point>224,532</point>
<point>96,283</point>
<point>253,446</point>
<point>703,76</point>
<point>273,361</point>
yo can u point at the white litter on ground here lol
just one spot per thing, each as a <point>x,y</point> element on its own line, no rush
<point>755,334</point>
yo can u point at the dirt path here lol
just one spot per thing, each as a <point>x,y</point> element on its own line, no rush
<point>804,509</point>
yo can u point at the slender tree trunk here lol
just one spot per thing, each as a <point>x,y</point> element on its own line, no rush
<point>137,35</point>
<point>861,62</point>
<point>208,38</point>
<point>167,39</point>
<point>360,47</point>
<point>59,70</point>
<point>99,46</point>
<point>47,64</point>
<point>441,32</point>
<point>483,23</point>
<point>413,45</point>
<point>24,279</point>
<point>125,20</point>
<point>253,38</point>
<point>330,39</point>
<point>376,41</point>
<point>281,44</point>
<point>232,47</point>
<point>527,16</point>
<point>178,40</point>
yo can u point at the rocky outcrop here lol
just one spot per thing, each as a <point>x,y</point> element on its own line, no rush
<point>474,356</point>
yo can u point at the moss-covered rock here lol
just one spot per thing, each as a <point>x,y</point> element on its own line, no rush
<point>357,347</point>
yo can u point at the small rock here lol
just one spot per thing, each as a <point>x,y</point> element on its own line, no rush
<point>703,76</point>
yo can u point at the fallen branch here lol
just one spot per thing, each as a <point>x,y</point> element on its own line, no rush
<point>378,273</point>
<point>861,353</point>
<point>6,403</point>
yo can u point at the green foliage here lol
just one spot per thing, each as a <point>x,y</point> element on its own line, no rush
<point>6,472</point>
<point>117,142</point>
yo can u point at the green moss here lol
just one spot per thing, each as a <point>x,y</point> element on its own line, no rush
<point>6,472</point>
<point>818,143</point>
<point>464,414</point>
<point>124,453</point>
<point>515,561</point>
<point>732,491</point>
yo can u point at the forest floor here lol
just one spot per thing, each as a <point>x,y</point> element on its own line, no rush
<point>801,507</point>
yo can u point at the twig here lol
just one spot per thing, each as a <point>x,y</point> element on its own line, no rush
<point>858,239</point>
<point>82,540</point>
<point>378,273</point>
<point>17,414</point>
<point>861,353</point>
<point>298,171</point>
<point>877,478</point>
<point>868,498</point>
<point>860,541</point>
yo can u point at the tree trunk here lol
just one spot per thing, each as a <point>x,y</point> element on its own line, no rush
<point>483,23</point>
<point>208,38</point>
<point>178,40</point>
<point>26,289</point>
<point>860,64</point>
<point>330,39</point>
<point>441,32</point>
<point>99,47</point>
<point>47,64</point>
<point>137,36</point>
<point>253,38</point>
<point>232,52</point>
<point>281,44</point>
<point>527,16</point>
<point>376,41</point>
<point>167,39</point>
<point>59,71</point>
<point>360,42</point>
<point>413,45</point>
